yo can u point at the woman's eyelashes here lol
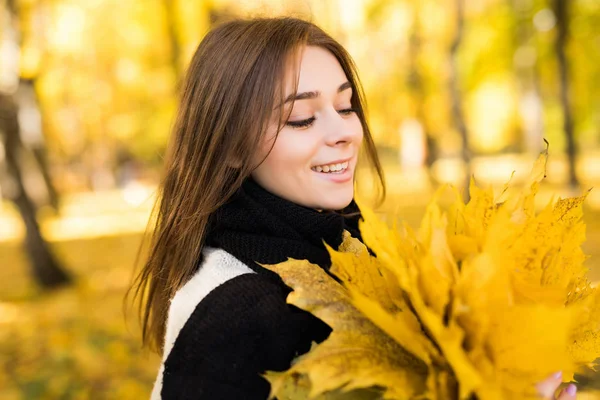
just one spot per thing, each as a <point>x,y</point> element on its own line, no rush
<point>347,111</point>
<point>305,123</point>
<point>301,124</point>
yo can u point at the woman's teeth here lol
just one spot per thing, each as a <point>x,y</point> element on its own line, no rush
<point>340,167</point>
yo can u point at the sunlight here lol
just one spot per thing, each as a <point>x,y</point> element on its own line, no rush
<point>491,110</point>
<point>67,32</point>
<point>9,313</point>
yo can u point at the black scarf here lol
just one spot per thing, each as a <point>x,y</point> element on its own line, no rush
<point>256,226</point>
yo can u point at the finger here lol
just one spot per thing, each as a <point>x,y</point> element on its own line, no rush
<point>568,393</point>
<point>548,387</point>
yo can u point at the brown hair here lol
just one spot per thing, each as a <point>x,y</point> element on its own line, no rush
<point>228,95</point>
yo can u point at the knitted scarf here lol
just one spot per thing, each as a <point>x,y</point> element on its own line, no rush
<point>256,226</point>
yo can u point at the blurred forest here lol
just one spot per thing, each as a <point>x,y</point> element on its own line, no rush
<point>88,89</point>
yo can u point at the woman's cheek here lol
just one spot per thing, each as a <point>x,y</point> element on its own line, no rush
<point>357,126</point>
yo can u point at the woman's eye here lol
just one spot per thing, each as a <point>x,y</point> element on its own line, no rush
<point>347,111</point>
<point>305,123</point>
<point>301,124</point>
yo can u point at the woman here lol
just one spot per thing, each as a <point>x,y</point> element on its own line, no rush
<point>260,168</point>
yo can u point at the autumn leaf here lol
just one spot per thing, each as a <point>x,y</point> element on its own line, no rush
<point>584,344</point>
<point>297,387</point>
<point>376,294</point>
<point>357,354</point>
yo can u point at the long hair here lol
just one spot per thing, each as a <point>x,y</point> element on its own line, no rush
<point>227,100</point>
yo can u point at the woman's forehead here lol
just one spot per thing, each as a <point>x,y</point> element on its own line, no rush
<point>316,69</point>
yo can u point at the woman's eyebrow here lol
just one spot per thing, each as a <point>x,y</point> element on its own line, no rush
<point>315,94</point>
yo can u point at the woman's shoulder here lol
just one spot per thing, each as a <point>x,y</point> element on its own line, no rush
<point>217,268</point>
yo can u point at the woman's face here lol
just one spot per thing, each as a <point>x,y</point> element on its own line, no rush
<point>314,156</point>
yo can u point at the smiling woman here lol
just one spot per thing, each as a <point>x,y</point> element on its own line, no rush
<point>312,159</point>
<point>260,168</point>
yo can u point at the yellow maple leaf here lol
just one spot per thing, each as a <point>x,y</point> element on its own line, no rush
<point>357,354</point>
<point>298,387</point>
<point>584,343</point>
<point>528,343</point>
<point>438,268</point>
<point>374,292</point>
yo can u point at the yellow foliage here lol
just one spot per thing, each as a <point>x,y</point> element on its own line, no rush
<point>357,354</point>
<point>486,299</point>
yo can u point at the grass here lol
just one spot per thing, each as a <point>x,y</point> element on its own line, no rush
<point>72,343</point>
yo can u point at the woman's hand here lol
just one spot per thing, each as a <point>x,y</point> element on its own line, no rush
<point>547,388</point>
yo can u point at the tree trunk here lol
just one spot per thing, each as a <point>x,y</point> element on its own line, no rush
<point>561,9</point>
<point>28,104</point>
<point>456,96</point>
<point>45,269</point>
<point>171,22</point>
<point>415,83</point>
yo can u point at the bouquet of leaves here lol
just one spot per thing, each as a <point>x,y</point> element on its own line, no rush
<point>484,301</point>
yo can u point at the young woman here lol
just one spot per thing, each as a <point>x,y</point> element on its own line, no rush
<point>260,168</point>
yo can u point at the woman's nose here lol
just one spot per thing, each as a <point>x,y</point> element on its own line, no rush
<point>338,130</point>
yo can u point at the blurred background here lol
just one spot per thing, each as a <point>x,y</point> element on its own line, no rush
<point>87,94</point>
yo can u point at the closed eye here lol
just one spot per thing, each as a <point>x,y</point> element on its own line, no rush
<point>305,123</point>
<point>301,124</point>
<point>347,111</point>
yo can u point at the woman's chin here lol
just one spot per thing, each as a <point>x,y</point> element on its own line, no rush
<point>335,203</point>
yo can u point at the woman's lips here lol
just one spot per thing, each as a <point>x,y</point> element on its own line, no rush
<point>344,175</point>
